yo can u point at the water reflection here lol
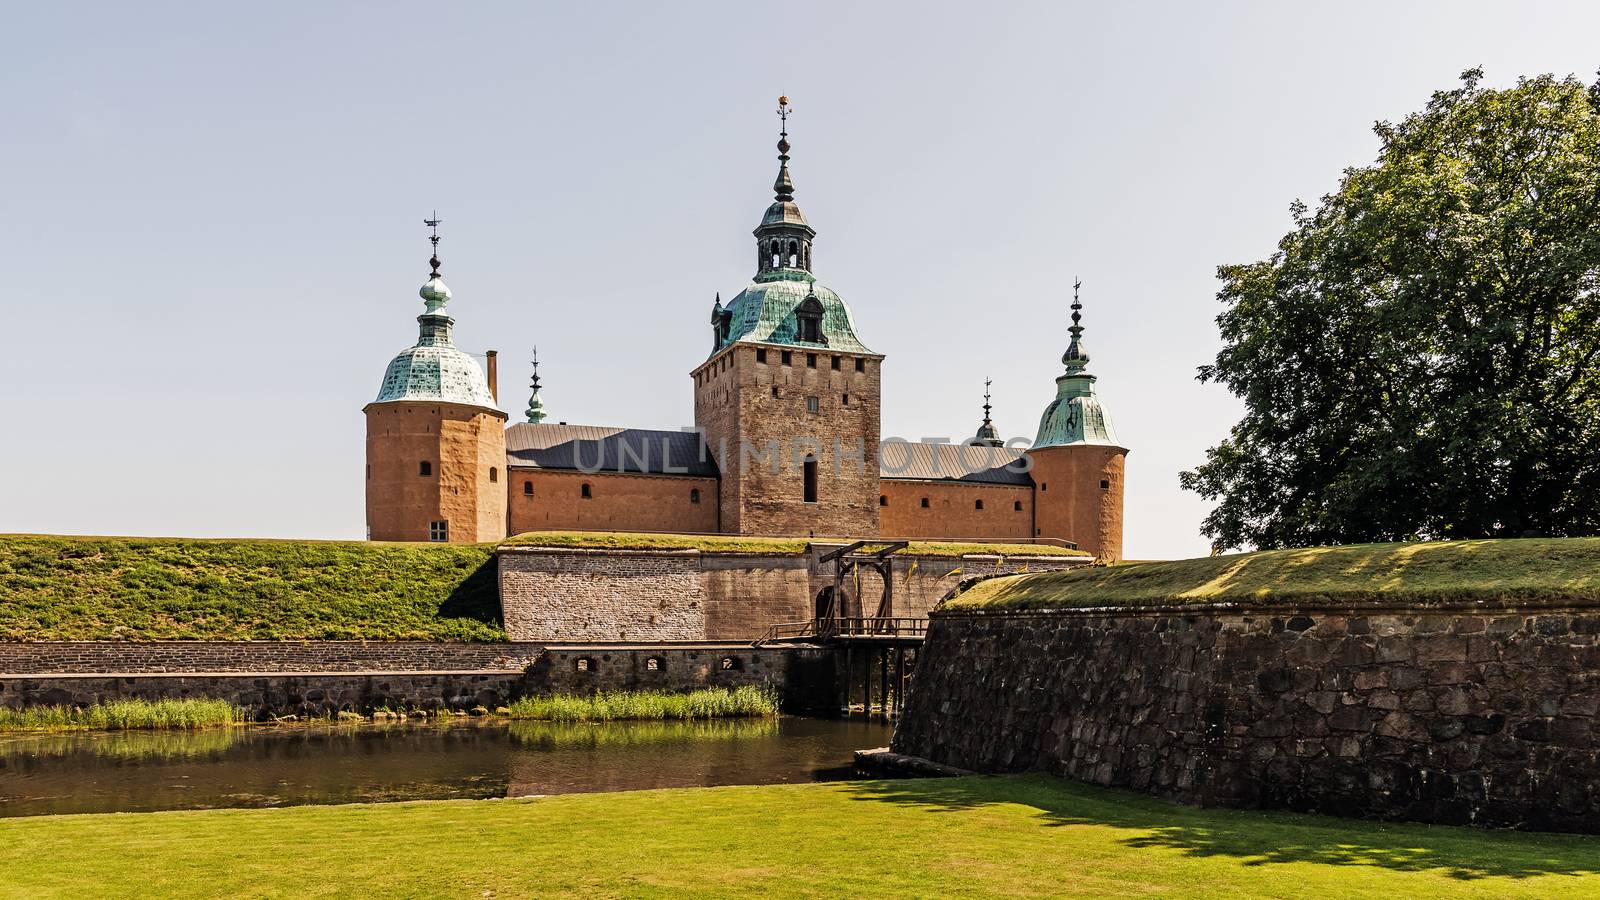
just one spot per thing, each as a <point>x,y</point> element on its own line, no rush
<point>140,771</point>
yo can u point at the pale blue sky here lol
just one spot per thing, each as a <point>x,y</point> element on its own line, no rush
<point>211,216</point>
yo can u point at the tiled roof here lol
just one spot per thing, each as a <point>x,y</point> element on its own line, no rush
<point>953,462</point>
<point>597,448</point>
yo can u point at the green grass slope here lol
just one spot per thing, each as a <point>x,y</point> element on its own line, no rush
<point>717,543</point>
<point>111,588</point>
<point>967,837</point>
<point>1426,572</point>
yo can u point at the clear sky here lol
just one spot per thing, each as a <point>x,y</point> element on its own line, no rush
<point>211,214</point>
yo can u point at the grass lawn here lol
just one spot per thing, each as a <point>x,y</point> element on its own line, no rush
<point>713,543</point>
<point>1422,572</point>
<point>971,836</point>
<point>111,588</point>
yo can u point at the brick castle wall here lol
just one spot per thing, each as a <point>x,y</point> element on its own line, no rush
<point>1079,497</point>
<point>952,512</point>
<point>461,445</point>
<point>616,502</point>
<point>1450,716</point>
<point>739,401</point>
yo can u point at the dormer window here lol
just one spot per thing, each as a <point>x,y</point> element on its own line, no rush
<point>808,317</point>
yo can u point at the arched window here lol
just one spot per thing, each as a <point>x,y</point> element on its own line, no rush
<point>794,254</point>
<point>585,492</point>
<point>808,319</point>
<point>1016,505</point>
<point>694,495</point>
<point>494,475</point>
<point>810,486</point>
<point>977,504</point>
<point>426,469</point>
<point>652,664</point>
<point>527,489</point>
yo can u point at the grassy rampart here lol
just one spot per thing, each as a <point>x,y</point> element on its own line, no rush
<point>1535,569</point>
<point>113,588</point>
<point>720,543</point>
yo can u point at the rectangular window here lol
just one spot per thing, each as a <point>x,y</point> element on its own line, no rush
<point>846,400</point>
<point>788,357</point>
<point>761,355</point>
<point>836,363</point>
<point>813,405</point>
<point>439,531</point>
<point>811,481</point>
<point>861,365</point>
<point>811,360</point>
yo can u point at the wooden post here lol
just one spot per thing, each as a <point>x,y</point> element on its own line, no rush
<point>848,674</point>
<point>866,684</point>
<point>883,674</point>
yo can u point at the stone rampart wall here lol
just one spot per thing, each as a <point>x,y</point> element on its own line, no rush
<point>1467,715</point>
<point>22,658</point>
<point>549,594</point>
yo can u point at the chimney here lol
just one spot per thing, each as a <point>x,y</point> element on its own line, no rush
<point>493,367</point>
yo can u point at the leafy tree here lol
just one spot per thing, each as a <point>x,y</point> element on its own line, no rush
<point>1419,357</point>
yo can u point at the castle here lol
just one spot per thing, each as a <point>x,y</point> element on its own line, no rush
<point>787,438</point>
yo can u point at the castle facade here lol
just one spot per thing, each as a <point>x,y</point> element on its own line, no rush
<point>787,438</point>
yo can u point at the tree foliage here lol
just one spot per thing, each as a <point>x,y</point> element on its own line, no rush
<point>1418,358</point>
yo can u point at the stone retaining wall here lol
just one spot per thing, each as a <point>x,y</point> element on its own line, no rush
<point>1467,715</point>
<point>260,656</point>
<point>573,594</point>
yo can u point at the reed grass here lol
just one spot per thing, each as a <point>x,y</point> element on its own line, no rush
<point>120,715</point>
<point>745,701</point>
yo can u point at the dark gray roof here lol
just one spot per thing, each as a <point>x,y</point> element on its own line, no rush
<point>953,462</point>
<point>596,448</point>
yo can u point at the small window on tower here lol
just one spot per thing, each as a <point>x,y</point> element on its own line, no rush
<point>813,405</point>
<point>439,531</point>
<point>977,504</point>
<point>788,358</point>
<point>527,489</point>
<point>1105,485</point>
<point>811,360</point>
<point>774,390</point>
<point>883,500</point>
<point>811,480</point>
<point>1016,505</point>
<point>494,475</point>
<point>861,365</point>
<point>924,502</point>
<point>836,363</point>
<point>761,355</point>
<point>585,492</point>
<point>426,469</point>
<point>694,495</point>
<point>845,401</point>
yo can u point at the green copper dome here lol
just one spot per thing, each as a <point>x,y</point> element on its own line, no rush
<point>769,310</point>
<point>1075,416</point>
<point>433,369</point>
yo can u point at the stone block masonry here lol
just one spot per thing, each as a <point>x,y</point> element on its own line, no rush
<point>1469,715</point>
<point>569,594</point>
<point>95,657</point>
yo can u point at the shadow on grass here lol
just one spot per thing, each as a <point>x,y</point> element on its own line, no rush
<point>1253,837</point>
<point>476,597</point>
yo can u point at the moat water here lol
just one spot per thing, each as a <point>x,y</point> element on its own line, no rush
<point>137,771</point>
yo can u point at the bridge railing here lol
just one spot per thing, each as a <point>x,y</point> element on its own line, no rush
<point>850,627</point>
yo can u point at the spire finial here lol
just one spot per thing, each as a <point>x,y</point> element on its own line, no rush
<point>433,223</point>
<point>783,188</point>
<point>535,412</point>
<point>1076,357</point>
<point>988,435</point>
<point>986,406</point>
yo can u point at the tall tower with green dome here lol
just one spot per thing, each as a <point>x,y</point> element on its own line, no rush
<point>436,442</point>
<point>1077,460</point>
<point>789,398</point>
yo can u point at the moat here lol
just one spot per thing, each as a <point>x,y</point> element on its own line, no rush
<point>82,772</point>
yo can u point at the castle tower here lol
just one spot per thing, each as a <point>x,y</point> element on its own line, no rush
<point>788,399</point>
<point>436,444</point>
<point>1077,462</point>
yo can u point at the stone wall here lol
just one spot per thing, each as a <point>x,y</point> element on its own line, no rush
<point>1450,715</point>
<point>29,658</point>
<point>267,695</point>
<point>560,594</point>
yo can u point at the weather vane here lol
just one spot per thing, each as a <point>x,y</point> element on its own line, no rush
<point>434,238</point>
<point>783,115</point>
